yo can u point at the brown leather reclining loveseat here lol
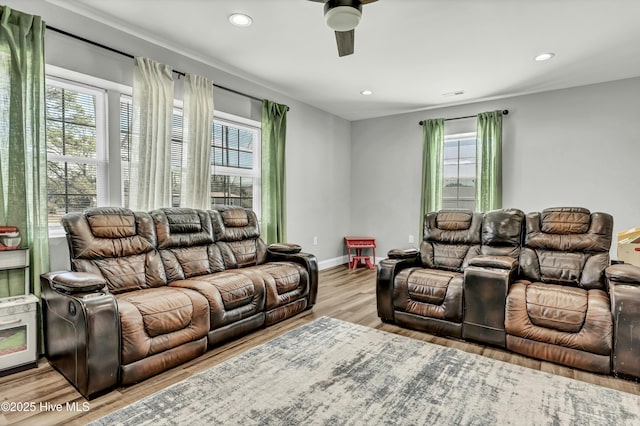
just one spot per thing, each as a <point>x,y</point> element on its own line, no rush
<point>149,291</point>
<point>539,285</point>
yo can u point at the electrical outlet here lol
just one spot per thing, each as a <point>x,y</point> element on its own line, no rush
<point>315,241</point>
<point>411,241</point>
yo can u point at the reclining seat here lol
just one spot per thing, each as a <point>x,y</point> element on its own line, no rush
<point>287,283</point>
<point>114,319</point>
<point>192,260</point>
<point>428,297</point>
<point>559,310</point>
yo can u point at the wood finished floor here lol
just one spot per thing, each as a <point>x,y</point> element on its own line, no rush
<point>343,294</point>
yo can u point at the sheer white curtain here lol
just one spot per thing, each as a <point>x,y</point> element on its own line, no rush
<point>150,166</point>
<point>196,151</point>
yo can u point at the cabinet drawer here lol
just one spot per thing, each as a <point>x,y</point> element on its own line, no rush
<point>10,259</point>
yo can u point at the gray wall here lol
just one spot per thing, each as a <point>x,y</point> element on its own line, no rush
<point>573,147</point>
<point>318,143</point>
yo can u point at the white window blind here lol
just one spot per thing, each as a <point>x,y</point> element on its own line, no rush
<point>76,147</point>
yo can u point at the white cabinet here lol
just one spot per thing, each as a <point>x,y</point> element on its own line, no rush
<point>18,325</point>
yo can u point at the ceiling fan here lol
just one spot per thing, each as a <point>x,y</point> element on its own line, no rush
<point>343,16</point>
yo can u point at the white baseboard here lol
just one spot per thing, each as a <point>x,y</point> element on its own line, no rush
<point>330,263</point>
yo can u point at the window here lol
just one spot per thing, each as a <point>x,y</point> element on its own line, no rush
<point>76,148</point>
<point>78,170</point>
<point>459,186</point>
<point>235,158</point>
<point>235,173</point>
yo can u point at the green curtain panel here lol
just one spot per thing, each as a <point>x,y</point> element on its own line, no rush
<point>432,167</point>
<point>23,158</point>
<point>489,161</point>
<point>274,132</point>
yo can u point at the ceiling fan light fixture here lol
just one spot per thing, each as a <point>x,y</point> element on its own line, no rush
<point>342,18</point>
<point>240,20</point>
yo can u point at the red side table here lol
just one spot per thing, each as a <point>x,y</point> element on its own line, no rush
<point>358,244</point>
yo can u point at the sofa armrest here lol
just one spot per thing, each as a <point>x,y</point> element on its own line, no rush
<point>498,262</point>
<point>623,273</point>
<point>81,330</point>
<point>285,248</point>
<point>409,253</point>
<point>385,276</point>
<point>308,261</point>
<point>624,292</point>
<point>78,282</point>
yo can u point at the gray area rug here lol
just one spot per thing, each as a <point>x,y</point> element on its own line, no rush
<point>331,372</point>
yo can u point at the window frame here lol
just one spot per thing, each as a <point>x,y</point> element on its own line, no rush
<point>255,172</point>
<point>460,137</point>
<point>101,161</point>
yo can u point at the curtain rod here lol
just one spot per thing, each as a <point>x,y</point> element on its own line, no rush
<point>504,112</point>
<point>128,55</point>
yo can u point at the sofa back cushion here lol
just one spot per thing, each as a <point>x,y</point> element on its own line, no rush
<point>567,245</point>
<point>502,233</point>
<point>451,239</point>
<point>237,234</point>
<point>185,242</point>
<point>117,244</point>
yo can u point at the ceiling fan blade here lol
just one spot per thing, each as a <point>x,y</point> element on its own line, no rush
<point>345,40</point>
<point>363,1</point>
<point>323,1</point>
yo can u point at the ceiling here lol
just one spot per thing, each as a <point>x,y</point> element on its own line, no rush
<point>408,52</point>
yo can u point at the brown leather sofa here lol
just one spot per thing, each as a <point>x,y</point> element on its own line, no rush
<point>424,290</point>
<point>547,292</point>
<point>149,291</point>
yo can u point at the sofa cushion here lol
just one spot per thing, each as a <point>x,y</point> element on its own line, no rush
<point>116,244</point>
<point>428,286</point>
<point>126,273</point>
<point>503,228</point>
<point>238,254</point>
<point>162,315</point>
<point>232,295</point>
<point>431,293</point>
<point>234,223</point>
<point>284,281</point>
<point>547,231</point>
<point>91,236</point>
<point>235,218</point>
<point>450,257</point>
<point>453,227</point>
<point>158,319</point>
<point>558,307</point>
<point>111,222</point>
<point>595,334</point>
<point>451,220</point>
<point>565,220</point>
<point>182,227</point>
<point>187,262</point>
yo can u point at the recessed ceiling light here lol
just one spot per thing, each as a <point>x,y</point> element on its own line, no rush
<point>452,93</point>
<point>240,20</point>
<point>366,92</point>
<point>544,56</point>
